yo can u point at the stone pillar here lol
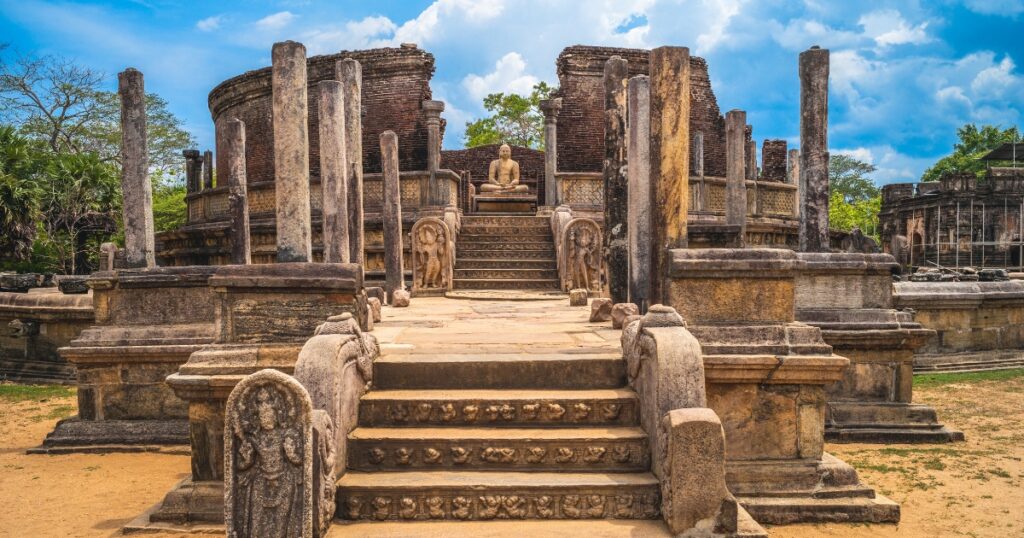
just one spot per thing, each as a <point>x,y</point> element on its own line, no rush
<point>639,192</point>
<point>291,152</point>
<point>139,245</point>
<point>334,172</point>
<point>350,73</point>
<point>670,157</point>
<point>616,72</point>
<point>231,141</point>
<point>814,65</point>
<point>750,154</point>
<point>437,191</point>
<point>735,186</point>
<point>793,178</point>
<point>551,108</point>
<point>701,199</point>
<point>207,169</point>
<point>193,170</point>
<point>394,273</point>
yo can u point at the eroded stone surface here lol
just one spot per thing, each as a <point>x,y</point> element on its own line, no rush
<point>400,298</point>
<point>578,297</point>
<point>600,309</point>
<point>621,311</point>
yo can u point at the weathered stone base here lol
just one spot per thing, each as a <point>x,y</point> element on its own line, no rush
<point>143,524</point>
<point>23,370</point>
<point>980,361</point>
<point>192,502</point>
<point>853,422</point>
<point>75,435</point>
<point>807,491</point>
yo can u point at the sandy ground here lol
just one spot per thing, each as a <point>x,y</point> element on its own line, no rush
<point>964,489</point>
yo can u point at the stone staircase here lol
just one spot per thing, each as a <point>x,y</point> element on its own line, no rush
<point>505,252</point>
<point>467,436</point>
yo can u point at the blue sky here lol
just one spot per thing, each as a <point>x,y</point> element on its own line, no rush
<point>904,74</point>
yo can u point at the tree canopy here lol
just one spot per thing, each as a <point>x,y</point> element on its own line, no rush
<point>515,120</point>
<point>854,199</point>
<point>974,142</point>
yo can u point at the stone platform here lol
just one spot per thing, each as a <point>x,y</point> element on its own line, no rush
<point>522,204</point>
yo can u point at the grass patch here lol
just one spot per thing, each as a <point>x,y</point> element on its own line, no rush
<point>937,380</point>
<point>59,412</point>
<point>10,392</point>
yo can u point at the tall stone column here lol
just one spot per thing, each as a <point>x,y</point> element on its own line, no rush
<point>207,169</point>
<point>750,165</point>
<point>551,108</point>
<point>700,201</point>
<point>437,191</point>
<point>616,72</point>
<point>394,273</point>
<point>350,73</point>
<point>193,170</point>
<point>231,150</point>
<point>139,244</point>
<point>814,189</point>
<point>291,152</point>
<point>670,158</point>
<point>793,178</point>
<point>735,177</point>
<point>639,180</point>
<point>334,172</point>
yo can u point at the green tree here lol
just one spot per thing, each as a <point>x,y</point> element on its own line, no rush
<point>169,209</point>
<point>849,177</point>
<point>515,120</point>
<point>854,200</point>
<point>974,143</point>
<point>19,201</point>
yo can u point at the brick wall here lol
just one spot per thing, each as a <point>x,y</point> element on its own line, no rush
<point>395,83</point>
<point>773,160</point>
<point>581,121</point>
<point>477,161</point>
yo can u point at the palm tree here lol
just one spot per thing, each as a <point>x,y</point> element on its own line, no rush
<point>19,197</point>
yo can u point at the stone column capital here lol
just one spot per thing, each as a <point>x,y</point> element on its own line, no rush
<point>432,110</point>
<point>551,109</point>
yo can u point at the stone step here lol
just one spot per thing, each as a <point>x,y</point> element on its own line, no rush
<point>505,221</point>
<point>790,510</point>
<point>507,263</point>
<point>504,244</point>
<point>622,449</point>
<point>513,408</point>
<point>500,371</point>
<point>510,236</point>
<point>477,496</point>
<point>503,284</point>
<point>546,254</point>
<point>502,231</point>
<point>507,273</point>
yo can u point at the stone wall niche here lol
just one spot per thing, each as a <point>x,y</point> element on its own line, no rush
<point>849,297</point>
<point>148,322</point>
<point>766,377</point>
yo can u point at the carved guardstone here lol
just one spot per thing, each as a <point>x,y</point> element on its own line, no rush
<point>581,253</point>
<point>269,448</point>
<point>432,263</point>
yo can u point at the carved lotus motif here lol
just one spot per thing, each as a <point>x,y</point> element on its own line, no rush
<point>461,455</point>
<point>376,455</point>
<point>435,507</point>
<point>462,508</point>
<point>432,455</point>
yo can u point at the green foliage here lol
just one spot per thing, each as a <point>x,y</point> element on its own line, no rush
<point>935,380</point>
<point>169,209</point>
<point>861,214</point>
<point>10,392</point>
<point>19,170</point>
<point>515,120</point>
<point>849,177</point>
<point>974,143</point>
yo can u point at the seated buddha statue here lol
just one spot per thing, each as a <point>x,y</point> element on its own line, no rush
<point>503,175</point>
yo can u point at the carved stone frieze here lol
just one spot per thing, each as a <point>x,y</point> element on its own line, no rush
<point>618,455</point>
<point>507,505</point>
<point>492,412</point>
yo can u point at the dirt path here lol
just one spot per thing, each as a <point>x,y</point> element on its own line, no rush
<point>965,489</point>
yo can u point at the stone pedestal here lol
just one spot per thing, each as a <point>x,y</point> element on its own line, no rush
<point>849,297</point>
<point>37,325</point>
<point>760,363</point>
<point>264,316</point>
<point>148,322</point>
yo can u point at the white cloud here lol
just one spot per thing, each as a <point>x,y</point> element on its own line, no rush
<point>800,34</point>
<point>366,33</point>
<point>724,11</point>
<point>427,25</point>
<point>276,21</point>
<point>993,82</point>
<point>887,27</point>
<point>509,76</point>
<point>210,24</point>
<point>861,154</point>
<point>1010,8</point>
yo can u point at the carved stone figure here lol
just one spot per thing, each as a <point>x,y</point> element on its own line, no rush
<point>545,508</point>
<point>269,467</point>
<point>432,259</point>
<point>503,174</point>
<point>581,254</point>
<point>462,508</point>
<point>435,507</point>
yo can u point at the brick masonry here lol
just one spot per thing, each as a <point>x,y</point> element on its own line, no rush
<point>395,83</point>
<point>581,122</point>
<point>773,160</point>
